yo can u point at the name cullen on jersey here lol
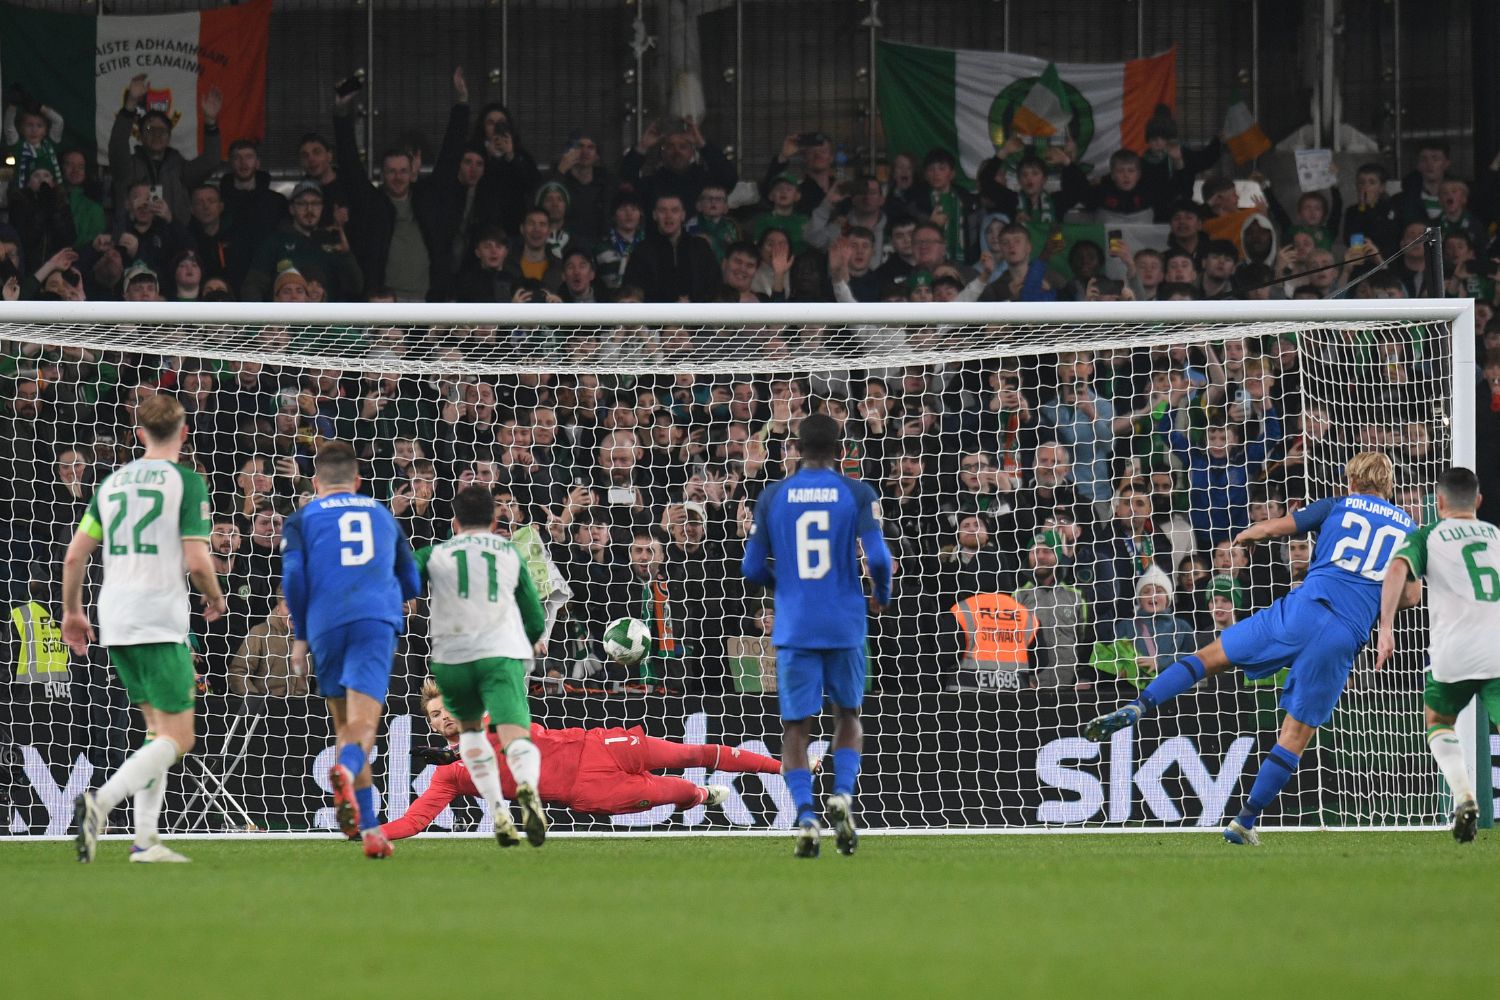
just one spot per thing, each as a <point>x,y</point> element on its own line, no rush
<point>808,494</point>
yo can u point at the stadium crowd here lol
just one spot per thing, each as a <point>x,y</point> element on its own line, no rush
<point>1090,496</point>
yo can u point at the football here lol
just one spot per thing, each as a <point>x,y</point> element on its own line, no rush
<point>627,641</point>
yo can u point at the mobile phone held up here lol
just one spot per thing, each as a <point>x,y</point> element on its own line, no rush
<point>350,84</point>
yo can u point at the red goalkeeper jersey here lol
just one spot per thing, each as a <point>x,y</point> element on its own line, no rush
<point>590,771</point>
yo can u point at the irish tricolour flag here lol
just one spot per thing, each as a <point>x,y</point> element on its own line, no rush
<point>969,102</point>
<point>81,65</point>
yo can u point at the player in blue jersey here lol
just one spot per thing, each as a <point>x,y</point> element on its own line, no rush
<point>1317,630</point>
<point>813,524</point>
<point>347,572</point>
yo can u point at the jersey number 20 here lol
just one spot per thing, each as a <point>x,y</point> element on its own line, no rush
<point>1359,553</point>
<point>358,535</point>
<point>814,555</point>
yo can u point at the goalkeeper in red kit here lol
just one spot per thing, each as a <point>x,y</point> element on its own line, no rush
<point>588,770</point>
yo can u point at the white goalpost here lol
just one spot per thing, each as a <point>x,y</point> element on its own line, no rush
<point>1059,486</point>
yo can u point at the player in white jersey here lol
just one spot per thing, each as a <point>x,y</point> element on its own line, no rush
<point>486,619</point>
<point>153,521</point>
<point>1459,555</point>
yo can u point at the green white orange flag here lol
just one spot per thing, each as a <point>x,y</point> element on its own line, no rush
<point>969,102</point>
<point>80,65</point>
<point>1242,133</point>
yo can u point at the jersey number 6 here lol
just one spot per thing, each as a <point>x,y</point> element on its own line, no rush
<point>813,554</point>
<point>355,529</point>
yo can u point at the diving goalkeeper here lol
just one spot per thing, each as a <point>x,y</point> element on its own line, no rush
<point>605,771</point>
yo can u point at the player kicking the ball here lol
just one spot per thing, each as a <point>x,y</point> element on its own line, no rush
<point>153,520</point>
<point>347,571</point>
<point>813,524</point>
<point>597,771</point>
<point>486,617</point>
<point>1460,557</point>
<point>1317,630</point>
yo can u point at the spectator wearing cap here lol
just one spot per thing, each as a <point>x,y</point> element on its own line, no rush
<point>688,161</point>
<point>950,208</point>
<point>290,286</point>
<point>251,209</point>
<point>1167,167</point>
<point>670,265</point>
<point>1219,258</point>
<point>580,281</point>
<point>166,173</point>
<point>817,175</point>
<point>588,185</point>
<point>553,198</point>
<point>396,231</point>
<point>782,213</point>
<point>298,242</point>
<point>624,236</point>
<point>510,171</point>
<point>857,204</point>
<point>141,284</point>
<point>150,223</point>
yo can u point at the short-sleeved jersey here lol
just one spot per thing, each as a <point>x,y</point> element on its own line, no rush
<point>141,514</point>
<point>1460,559</point>
<point>483,601</point>
<point>810,523</point>
<point>1357,535</point>
<point>345,559</point>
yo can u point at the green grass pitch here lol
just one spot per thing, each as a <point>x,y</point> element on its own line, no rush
<point>1307,915</point>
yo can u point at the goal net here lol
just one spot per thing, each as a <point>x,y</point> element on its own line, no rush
<point>1059,486</point>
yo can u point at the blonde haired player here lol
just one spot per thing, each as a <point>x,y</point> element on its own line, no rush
<point>153,521</point>
<point>1316,631</point>
<point>1459,555</point>
<point>486,618</point>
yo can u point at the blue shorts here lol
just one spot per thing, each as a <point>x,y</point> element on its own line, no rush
<point>358,656</point>
<point>804,675</point>
<point>1305,636</point>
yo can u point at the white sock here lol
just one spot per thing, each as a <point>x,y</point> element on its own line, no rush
<point>525,761</point>
<point>139,770</point>
<point>1449,754</point>
<point>479,757</point>
<point>147,804</point>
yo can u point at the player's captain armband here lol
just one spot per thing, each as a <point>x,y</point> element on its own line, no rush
<point>90,526</point>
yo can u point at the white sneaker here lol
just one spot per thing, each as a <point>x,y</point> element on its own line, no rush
<point>1238,834</point>
<point>717,795</point>
<point>157,853</point>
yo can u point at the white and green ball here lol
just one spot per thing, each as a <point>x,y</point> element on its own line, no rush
<point>627,641</point>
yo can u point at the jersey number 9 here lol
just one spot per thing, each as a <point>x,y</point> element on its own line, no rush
<point>358,536</point>
<point>813,554</point>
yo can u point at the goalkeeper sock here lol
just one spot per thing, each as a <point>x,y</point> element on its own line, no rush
<point>1171,682</point>
<point>138,771</point>
<point>147,804</point>
<point>1449,754</point>
<point>352,756</point>
<point>479,758</point>
<point>799,784</point>
<point>525,762</point>
<point>845,770</point>
<point>1275,771</point>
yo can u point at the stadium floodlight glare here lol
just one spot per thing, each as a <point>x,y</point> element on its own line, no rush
<point>945,407</point>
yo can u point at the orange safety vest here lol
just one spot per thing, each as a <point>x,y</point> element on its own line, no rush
<point>997,631</point>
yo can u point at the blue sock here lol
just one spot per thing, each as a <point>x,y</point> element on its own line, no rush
<point>799,784</point>
<point>1173,681</point>
<point>1275,771</point>
<point>845,770</point>
<point>352,756</point>
<point>366,798</point>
